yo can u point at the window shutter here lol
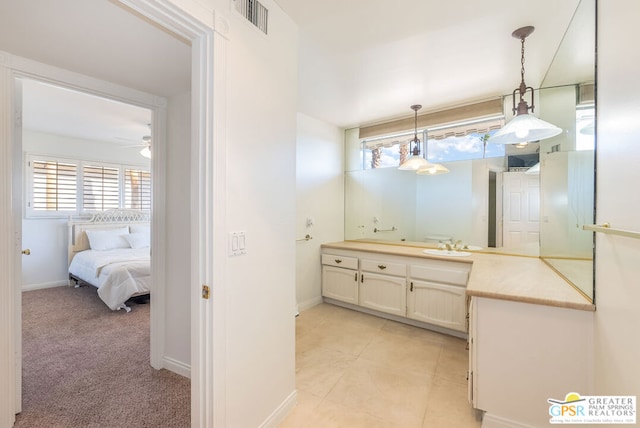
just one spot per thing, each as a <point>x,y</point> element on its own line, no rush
<point>137,188</point>
<point>101,187</point>
<point>54,186</point>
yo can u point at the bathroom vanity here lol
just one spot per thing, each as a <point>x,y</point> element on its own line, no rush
<point>407,286</point>
<point>528,330</point>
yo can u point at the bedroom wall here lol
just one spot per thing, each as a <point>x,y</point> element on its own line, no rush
<point>47,237</point>
<point>178,244</point>
<point>319,197</point>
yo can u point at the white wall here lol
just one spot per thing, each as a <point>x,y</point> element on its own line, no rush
<point>177,243</point>
<point>319,197</point>
<point>47,238</point>
<point>617,318</point>
<point>260,200</point>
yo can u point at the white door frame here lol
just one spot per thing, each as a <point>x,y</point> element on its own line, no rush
<point>21,68</point>
<point>208,33</point>
<point>208,219</point>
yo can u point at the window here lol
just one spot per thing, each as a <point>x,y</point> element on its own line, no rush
<point>57,187</point>
<point>53,186</point>
<point>101,188</point>
<point>453,142</point>
<point>463,147</point>
<point>388,152</point>
<point>137,189</point>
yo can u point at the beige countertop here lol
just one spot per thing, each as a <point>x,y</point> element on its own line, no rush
<point>497,276</point>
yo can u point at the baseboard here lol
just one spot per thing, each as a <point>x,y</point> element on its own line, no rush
<point>281,412</point>
<point>493,421</point>
<point>404,320</point>
<point>177,367</point>
<point>44,285</point>
<point>308,304</point>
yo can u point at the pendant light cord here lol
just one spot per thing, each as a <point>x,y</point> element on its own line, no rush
<point>416,142</point>
<point>522,61</point>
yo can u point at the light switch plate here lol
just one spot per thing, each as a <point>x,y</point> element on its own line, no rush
<point>237,243</point>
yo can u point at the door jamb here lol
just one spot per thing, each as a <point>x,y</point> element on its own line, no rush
<point>208,33</point>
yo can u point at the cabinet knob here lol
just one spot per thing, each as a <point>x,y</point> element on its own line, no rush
<point>382,267</point>
<point>338,261</point>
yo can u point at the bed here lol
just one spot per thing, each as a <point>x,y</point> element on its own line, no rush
<point>111,251</point>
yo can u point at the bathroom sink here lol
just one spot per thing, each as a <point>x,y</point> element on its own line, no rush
<point>472,248</point>
<point>447,253</point>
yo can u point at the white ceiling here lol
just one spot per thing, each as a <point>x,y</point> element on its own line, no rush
<point>55,110</point>
<point>364,61</point>
<point>98,38</point>
<point>361,61</point>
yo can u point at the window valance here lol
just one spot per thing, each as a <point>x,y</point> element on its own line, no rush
<point>437,119</point>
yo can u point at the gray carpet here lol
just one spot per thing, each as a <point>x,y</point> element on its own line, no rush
<point>87,366</point>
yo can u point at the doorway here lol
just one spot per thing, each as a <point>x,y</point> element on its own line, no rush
<point>206,220</point>
<point>61,126</point>
<point>521,203</point>
<point>492,226</point>
<point>63,138</point>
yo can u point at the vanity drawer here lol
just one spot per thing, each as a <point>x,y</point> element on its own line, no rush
<point>440,274</point>
<point>340,261</point>
<point>387,268</point>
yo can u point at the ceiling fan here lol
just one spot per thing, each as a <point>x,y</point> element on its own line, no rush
<point>145,144</point>
<point>146,150</point>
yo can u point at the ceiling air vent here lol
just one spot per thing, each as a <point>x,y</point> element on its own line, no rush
<point>255,12</point>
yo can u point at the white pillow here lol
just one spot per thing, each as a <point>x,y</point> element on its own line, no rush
<point>140,228</point>
<point>108,239</point>
<point>138,240</point>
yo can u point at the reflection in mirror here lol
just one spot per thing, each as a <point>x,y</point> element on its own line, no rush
<point>487,200</point>
<point>567,178</point>
<point>567,190</point>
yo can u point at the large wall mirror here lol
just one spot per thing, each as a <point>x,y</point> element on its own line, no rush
<point>489,203</point>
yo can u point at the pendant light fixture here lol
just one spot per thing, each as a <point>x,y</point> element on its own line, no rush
<point>146,152</point>
<point>433,169</point>
<point>524,127</point>
<point>415,162</point>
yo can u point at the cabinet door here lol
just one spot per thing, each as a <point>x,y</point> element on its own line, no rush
<point>384,293</point>
<point>340,284</point>
<point>439,304</point>
<point>472,389</point>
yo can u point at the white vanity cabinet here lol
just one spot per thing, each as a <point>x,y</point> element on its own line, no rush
<point>520,354</point>
<point>436,293</point>
<point>422,291</point>
<point>340,278</point>
<point>383,286</point>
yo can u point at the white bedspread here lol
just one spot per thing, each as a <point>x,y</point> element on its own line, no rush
<point>118,274</point>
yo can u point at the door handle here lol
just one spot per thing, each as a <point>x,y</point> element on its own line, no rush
<point>26,252</point>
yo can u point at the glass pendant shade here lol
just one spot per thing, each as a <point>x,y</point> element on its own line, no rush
<point>433,169</point>
<point>414,163</point>
<point>146,152</point>
<point>524,128</point>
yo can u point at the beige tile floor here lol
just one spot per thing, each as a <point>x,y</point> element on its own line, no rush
<point>357,370</point>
